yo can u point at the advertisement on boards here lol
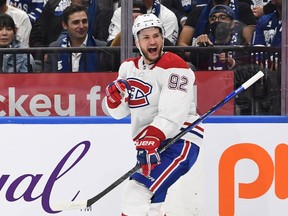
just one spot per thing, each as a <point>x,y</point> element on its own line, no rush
<point>46,165</point>
<point>241,170</point>
<point>246,169</point>
<point>81,94</point>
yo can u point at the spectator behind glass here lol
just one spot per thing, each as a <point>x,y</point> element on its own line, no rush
<point>260,10</point>
<point>114,38</point>
<point>197,22</point>
<point>268,33</point>
<point>75,22</point>
<point>224,30</point>
<point>8,40</point>
<point>181,8</point>
<point>49,26</point>
<point>21,20</point>
<point>167,17</point>
<point>33,8</point>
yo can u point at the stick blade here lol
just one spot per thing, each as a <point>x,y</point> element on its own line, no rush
<point>69,205</point>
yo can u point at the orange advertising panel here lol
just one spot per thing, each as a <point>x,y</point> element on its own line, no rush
<point>81,94</point>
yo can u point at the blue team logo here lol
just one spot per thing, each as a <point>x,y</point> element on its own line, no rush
<point>139,93</point>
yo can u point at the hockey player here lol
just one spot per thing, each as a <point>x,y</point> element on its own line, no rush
<point>161,103</point>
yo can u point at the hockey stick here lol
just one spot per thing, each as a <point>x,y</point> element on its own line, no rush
<point>87,203</point>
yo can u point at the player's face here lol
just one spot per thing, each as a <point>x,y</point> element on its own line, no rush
<point>77,26</point>
<point>6,36</point>
<point>150,41</point>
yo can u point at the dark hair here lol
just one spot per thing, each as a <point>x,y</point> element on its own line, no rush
<point>139,4</point>
<point>3,2</point>
<point>7,21</point>
<point>71,9</point>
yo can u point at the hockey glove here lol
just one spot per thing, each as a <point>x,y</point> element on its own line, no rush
<point>147,153</point>
<point>116,92</point>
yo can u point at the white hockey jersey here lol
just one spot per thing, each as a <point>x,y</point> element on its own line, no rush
<point>162,95</point>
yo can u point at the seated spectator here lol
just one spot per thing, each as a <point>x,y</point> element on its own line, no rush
<point>21,20</point>
<point>259,10</point>
<point>115,27</point>
<point>167,17</point>
<point>31,7</point>
<point>8,40</point>
<point>49,26</point>
<point>268,33</point>
<point>197,22</point>
<point>181,9</point>
<point>75,22</point>
<point>224,30</point>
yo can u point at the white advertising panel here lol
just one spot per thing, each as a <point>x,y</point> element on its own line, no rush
<point>242,168</point>
<point>44,165</point>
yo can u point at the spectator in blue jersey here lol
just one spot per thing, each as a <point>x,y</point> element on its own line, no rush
<point>259,10</point>
<point>224,30</point>
<point>197,22</point>
<point>8,63</point>
<point>32,7</point>
<point>268,33</point>
<point>75,22</point>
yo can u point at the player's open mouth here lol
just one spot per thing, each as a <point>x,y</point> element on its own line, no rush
<point>152,50</point>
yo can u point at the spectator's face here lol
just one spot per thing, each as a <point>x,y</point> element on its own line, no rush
<point>150,41</point>
<point>77,26</point>
<point>219,17</point>
<point>6,36</point>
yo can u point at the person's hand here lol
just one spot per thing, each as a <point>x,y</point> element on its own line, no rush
<point>223,58</point>
<point>116,92</point>
<point>147,153</point>
<point>203,40</point>
<point>258,11</point>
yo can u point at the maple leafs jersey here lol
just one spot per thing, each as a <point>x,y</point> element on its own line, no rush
<point>162,95</point>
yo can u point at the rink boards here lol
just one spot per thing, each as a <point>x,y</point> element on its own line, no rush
<point>242,168</point>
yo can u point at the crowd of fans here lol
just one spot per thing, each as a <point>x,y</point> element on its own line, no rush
<point>191,23</point>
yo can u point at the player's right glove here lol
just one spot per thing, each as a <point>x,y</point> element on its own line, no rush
<point>116,92</point>
<point>147,144</point>
<point>147,153</point>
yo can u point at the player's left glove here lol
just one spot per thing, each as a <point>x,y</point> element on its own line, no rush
<point>147,149</point>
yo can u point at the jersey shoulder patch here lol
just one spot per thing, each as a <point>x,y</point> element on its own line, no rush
<point>171,60</point>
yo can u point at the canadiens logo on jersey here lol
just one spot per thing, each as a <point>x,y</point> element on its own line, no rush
<point>139,93</point>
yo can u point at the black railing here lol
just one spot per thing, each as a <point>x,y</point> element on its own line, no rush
<point>264,98</point>
<point>110,56</point>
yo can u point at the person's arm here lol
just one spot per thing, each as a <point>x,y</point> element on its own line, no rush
<point>186,36</point>
<point>248,33</point>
